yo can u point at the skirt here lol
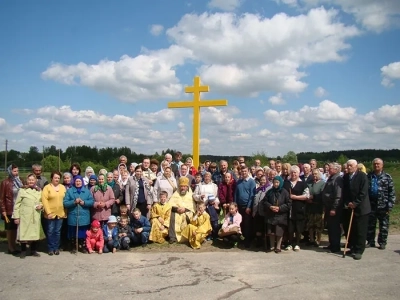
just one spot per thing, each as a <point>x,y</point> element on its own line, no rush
<point>81,231</point>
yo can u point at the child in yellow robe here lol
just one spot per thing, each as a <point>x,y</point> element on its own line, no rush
<point>199,228</point>
<point>159,218</point>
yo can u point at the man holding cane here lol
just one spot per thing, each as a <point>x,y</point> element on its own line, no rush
<point>356,201</point>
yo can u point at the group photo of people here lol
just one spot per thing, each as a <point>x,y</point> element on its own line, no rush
<point>274,208</point>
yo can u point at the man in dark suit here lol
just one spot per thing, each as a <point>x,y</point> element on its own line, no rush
<point>355,197</point>
<point>332,199</point>
<point>307,176</point>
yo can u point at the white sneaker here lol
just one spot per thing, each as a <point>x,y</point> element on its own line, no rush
<point>296,248</point>
<point>289,248</point>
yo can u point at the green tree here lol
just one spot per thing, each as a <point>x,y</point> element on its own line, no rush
<point>290,158</point>
<point>50,163</point>
<point>342,159</point>
<point>262,156</point>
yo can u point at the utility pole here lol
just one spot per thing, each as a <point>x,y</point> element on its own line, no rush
<point>5,157</point>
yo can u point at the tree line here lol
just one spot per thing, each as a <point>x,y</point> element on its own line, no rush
<point>108,157</point>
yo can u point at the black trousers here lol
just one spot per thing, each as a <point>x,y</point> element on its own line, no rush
<point>246,225</point>
<point>334,230</point>
<point>358,231</point>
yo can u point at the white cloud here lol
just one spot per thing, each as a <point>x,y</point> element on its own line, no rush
<point>150,75</point>
<point>326,112</point>
<point>277,99</point>
<point>181,127</point>
<point>300,136</point>
<point>67,129</point>
<point>320,92</point>
<point>240,136</point>
<point>3,123</point>
<point>258,54</point>
<point>373,15</point>
<point>156,29</point>
<point>261,54</point>
<point>389,73</point>
<point>227,5</point>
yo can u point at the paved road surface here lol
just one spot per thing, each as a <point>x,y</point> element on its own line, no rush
<point>217,274</point>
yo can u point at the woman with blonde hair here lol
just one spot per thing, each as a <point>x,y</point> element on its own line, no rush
<point>361,168</point>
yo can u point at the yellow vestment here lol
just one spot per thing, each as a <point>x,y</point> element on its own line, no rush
<point>162,211</point>
<point>202,226</point>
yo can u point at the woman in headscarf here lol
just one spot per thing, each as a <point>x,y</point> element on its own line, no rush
<point>27,211</point>
<point>104,199</point>
<point>277,205</point>
<point>258,209</point>
<point>92,181</point>
<point>88,172</point>
<point>192,169</point>
<point>8,194</point>
<point>166,182</point>
<point>118,195</point>
<point>78,201</point>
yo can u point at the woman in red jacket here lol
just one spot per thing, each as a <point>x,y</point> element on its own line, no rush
<point>226,190</point>
<point>8,194</point>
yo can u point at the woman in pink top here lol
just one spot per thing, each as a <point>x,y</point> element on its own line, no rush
<point>103,200</point>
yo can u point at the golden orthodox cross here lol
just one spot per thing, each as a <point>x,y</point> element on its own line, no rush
<point>196,89</point>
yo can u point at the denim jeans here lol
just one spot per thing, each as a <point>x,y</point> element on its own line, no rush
<point>53,234</point>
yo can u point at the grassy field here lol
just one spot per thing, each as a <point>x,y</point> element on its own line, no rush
<point>394,218</point>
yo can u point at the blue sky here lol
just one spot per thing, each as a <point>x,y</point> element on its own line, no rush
<point>302,75</point>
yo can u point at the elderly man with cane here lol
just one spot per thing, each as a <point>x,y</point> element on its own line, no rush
<point>356,209</point>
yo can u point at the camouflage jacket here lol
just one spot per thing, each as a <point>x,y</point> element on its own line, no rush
<point>385,197</point>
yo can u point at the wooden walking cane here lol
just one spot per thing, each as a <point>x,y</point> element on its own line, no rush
<point>77,231</point>
<point>348,233</point>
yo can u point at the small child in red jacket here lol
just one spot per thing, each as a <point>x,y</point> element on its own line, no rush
<point>94,238</point>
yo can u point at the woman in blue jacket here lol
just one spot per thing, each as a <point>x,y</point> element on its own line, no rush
<point>78,201</point>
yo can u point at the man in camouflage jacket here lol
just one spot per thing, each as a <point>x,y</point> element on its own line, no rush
<point>382,197</point>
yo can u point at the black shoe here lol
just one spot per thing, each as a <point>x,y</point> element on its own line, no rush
<point>357,256</point>
<point>171,242</point>
<point>51,253</point>
<point>22,255</point>
<point>336,251</point>
<point>57,252</point>
<point>370,245</point>
<point>15,252</point>
<point>35,254</point>
<point>73,251</point>
<point>327,248</point>
<point>382,247</point>
<point>144,245</point>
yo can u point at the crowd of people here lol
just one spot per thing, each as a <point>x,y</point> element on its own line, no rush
<point>279,206</point>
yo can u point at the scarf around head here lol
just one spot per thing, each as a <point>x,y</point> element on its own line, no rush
<point>275,190</point>
<point>111,184</point>
<point>16,180</point>
<point>263,187</point>
<point>78,189</point>
<point>102,187</point>
<point>92,185</point>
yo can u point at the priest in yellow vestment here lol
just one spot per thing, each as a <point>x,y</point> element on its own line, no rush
<point>182,210</point>
<point>198,229</point>
<point>159,218</point>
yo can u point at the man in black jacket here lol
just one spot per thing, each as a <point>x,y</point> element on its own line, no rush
<point>355,196</point>
<point>332,199</point>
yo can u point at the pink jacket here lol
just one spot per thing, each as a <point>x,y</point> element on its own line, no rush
<point>97,237</point>
<point>237,219</point>
<point>102,214</point>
